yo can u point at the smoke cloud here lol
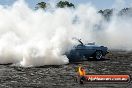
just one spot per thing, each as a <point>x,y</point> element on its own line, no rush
<point>36,37</point>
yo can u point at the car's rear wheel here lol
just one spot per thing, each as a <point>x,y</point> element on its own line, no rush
<point>98,55</point>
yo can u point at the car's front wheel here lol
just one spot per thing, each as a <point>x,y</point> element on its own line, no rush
<point>98,55</point>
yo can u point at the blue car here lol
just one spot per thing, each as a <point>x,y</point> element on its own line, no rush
<point>86,51</point>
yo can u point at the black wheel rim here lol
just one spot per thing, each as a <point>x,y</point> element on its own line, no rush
<point>98,55</point>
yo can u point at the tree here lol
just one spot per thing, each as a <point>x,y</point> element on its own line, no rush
<point>63,4</point>
<point>107,13</point>
<point>41,5</point>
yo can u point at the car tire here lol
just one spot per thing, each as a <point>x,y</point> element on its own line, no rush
<point>98,55</point>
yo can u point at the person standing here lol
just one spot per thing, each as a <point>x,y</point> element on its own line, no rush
<point>81,74</point>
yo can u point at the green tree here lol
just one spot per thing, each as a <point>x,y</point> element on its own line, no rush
<point>41,5</point>
<point>63,4</point>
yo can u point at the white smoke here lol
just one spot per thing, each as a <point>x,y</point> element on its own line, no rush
<point>36,37</point>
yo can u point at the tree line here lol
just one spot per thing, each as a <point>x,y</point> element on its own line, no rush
<point>60,4</point>
<point>106,13</point>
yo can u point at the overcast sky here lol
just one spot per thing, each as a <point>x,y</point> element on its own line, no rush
<point>100,4</point>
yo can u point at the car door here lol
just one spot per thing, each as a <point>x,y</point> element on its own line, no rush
<point>90,50</point>
<point>81,50</point>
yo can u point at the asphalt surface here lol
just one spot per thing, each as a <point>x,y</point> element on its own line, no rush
<point>64,76</point>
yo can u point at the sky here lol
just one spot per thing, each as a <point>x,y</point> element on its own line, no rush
<point>99,4</point>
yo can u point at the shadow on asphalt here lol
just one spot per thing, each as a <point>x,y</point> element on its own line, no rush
<point>82,61</point>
